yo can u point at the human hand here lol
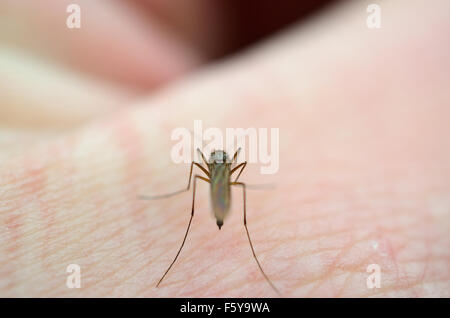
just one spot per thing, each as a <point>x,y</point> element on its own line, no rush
<point>364,151</point>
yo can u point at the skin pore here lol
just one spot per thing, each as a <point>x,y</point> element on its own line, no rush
<point>363,179</point>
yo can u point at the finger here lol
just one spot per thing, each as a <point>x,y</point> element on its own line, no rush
<point>209,33</point>
<point>114,41</point>
<point>36,95</point>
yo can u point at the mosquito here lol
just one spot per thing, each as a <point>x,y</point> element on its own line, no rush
<point>218,173</point>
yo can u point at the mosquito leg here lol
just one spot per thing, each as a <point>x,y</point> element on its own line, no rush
<point>203,169</point>
<point>167,195</point>
<point>203,157</point>
<point>250,241</point>
<point>187,230</point>
<point>251,186</point>
<point>237,167</point>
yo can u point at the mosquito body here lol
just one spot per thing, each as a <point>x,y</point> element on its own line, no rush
<point>219,167</point>
<point>219,170</point>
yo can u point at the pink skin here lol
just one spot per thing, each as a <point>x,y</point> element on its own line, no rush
<point>363,179</point>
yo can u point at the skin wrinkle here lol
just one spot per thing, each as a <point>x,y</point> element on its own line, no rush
<point>340,292</point>
<point>128,139</point>
<point>318,251</point>
<point>169,282</point>
<point>352,269</point>
<point>318,280</point>
<point>118,217</point>
<point>60,151</point>
<point>48,218</point>
<point>356,269</point>
<point>89,229</point>
<point>15,243</point>
<point>429,220</point>
<point>393,288</point>
<point>236,286</point>
<point>365,238</point>
<point>220,277</point>
<point>325,232</point>
<point>409,285</point>
<point>332,267</point>
<point>426,258</point>
<point>111,274</point>
<point>137,271</point>
<point>31,233</point>
<point>165,262</point>
<point>249,270</point>
<point>401,274</point>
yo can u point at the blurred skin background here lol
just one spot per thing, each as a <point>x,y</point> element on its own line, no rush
<point>85,122</point>
<point>159,41</point>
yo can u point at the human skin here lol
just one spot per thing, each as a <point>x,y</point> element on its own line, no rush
<point>363,178</point>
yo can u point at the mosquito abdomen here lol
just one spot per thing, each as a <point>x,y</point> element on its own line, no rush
<point>220,192</point>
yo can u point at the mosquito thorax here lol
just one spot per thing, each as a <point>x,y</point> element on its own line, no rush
<point>218,156</point>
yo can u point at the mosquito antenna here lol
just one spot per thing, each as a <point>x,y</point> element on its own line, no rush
<point>162,196</point>
<point>202,142</point>
<point>171,194</point>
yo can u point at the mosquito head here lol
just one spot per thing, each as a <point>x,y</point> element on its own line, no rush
<point>218,156</point>
<point>219,223</point>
